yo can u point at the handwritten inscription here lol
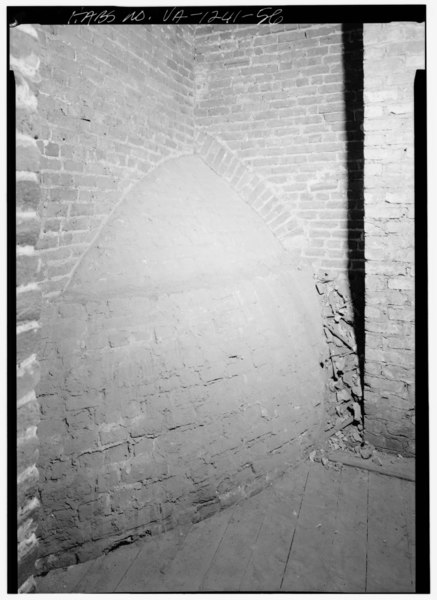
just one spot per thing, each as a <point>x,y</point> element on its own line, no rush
<point>270,15</point>
<point>90,17</point>
<point>263,15</point>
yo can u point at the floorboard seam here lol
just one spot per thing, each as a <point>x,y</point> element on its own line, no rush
<point>409,541</point>
<point>217,549</point>
<point>294,532</point>
<point>367,529</point>
<point>339,491</point>
<point>85,573</point>
<point>140,549</point>
<point>251,554</point>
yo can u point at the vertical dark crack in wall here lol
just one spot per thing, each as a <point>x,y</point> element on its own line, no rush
<point>354,113</point>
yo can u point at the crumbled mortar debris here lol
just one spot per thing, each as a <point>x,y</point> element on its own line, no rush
<point>348,440</point>
<point>344,394</point>
<point>342,449</point>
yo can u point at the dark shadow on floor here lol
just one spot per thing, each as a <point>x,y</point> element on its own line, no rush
<point>354,107</point>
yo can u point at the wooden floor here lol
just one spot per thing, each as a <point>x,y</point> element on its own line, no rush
<point>315,530</point>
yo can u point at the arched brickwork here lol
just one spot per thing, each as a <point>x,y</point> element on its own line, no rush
<point>248,185</point>
<point>113,104</point>
<point>253,189</point>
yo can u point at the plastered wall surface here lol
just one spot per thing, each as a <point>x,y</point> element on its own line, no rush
<point>181,368</point>
<point>398,48</point>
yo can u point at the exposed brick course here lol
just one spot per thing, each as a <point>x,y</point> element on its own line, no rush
<point>254,190</point>
<point>398,49</point>
<point>114,102</point>
<point>275,96</point>
<point>180,347</point>
<point>24,61</point>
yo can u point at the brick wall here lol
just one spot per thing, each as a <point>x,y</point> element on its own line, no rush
<point>277,112</point>
<point>392,53</point>
<point>275,96</point>
<point>255,191</point>
<point>180,368</point>
<point>114,102</point>
<point>24,61</point>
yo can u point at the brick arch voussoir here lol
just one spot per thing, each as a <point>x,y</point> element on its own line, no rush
<point>250,187</point>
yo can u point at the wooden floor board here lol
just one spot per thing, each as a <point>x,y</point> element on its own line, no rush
<point>314,530</point>
<point>291,484</point>
<point>350,534</point>
<point>388,558</point>
<point>188,568</point>
<point>147,572</point>
<point>63,581</point>
<point>310,564</point>
<point>266,565</point>
<point>329,549</point>
<point>229,563</point>
<point>107,570</point>
<point>409,506</point>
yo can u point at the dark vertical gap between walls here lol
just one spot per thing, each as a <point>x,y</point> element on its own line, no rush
<point>354,118</point>
<point>421,333</point>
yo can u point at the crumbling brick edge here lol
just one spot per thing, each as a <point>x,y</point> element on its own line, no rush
<point>24,61</point>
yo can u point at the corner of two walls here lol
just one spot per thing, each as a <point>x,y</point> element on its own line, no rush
<point>275,96</point>
<point>95,146</point>
<point>114,103</point>
<point>268,107</point>
<point>287,101</point>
